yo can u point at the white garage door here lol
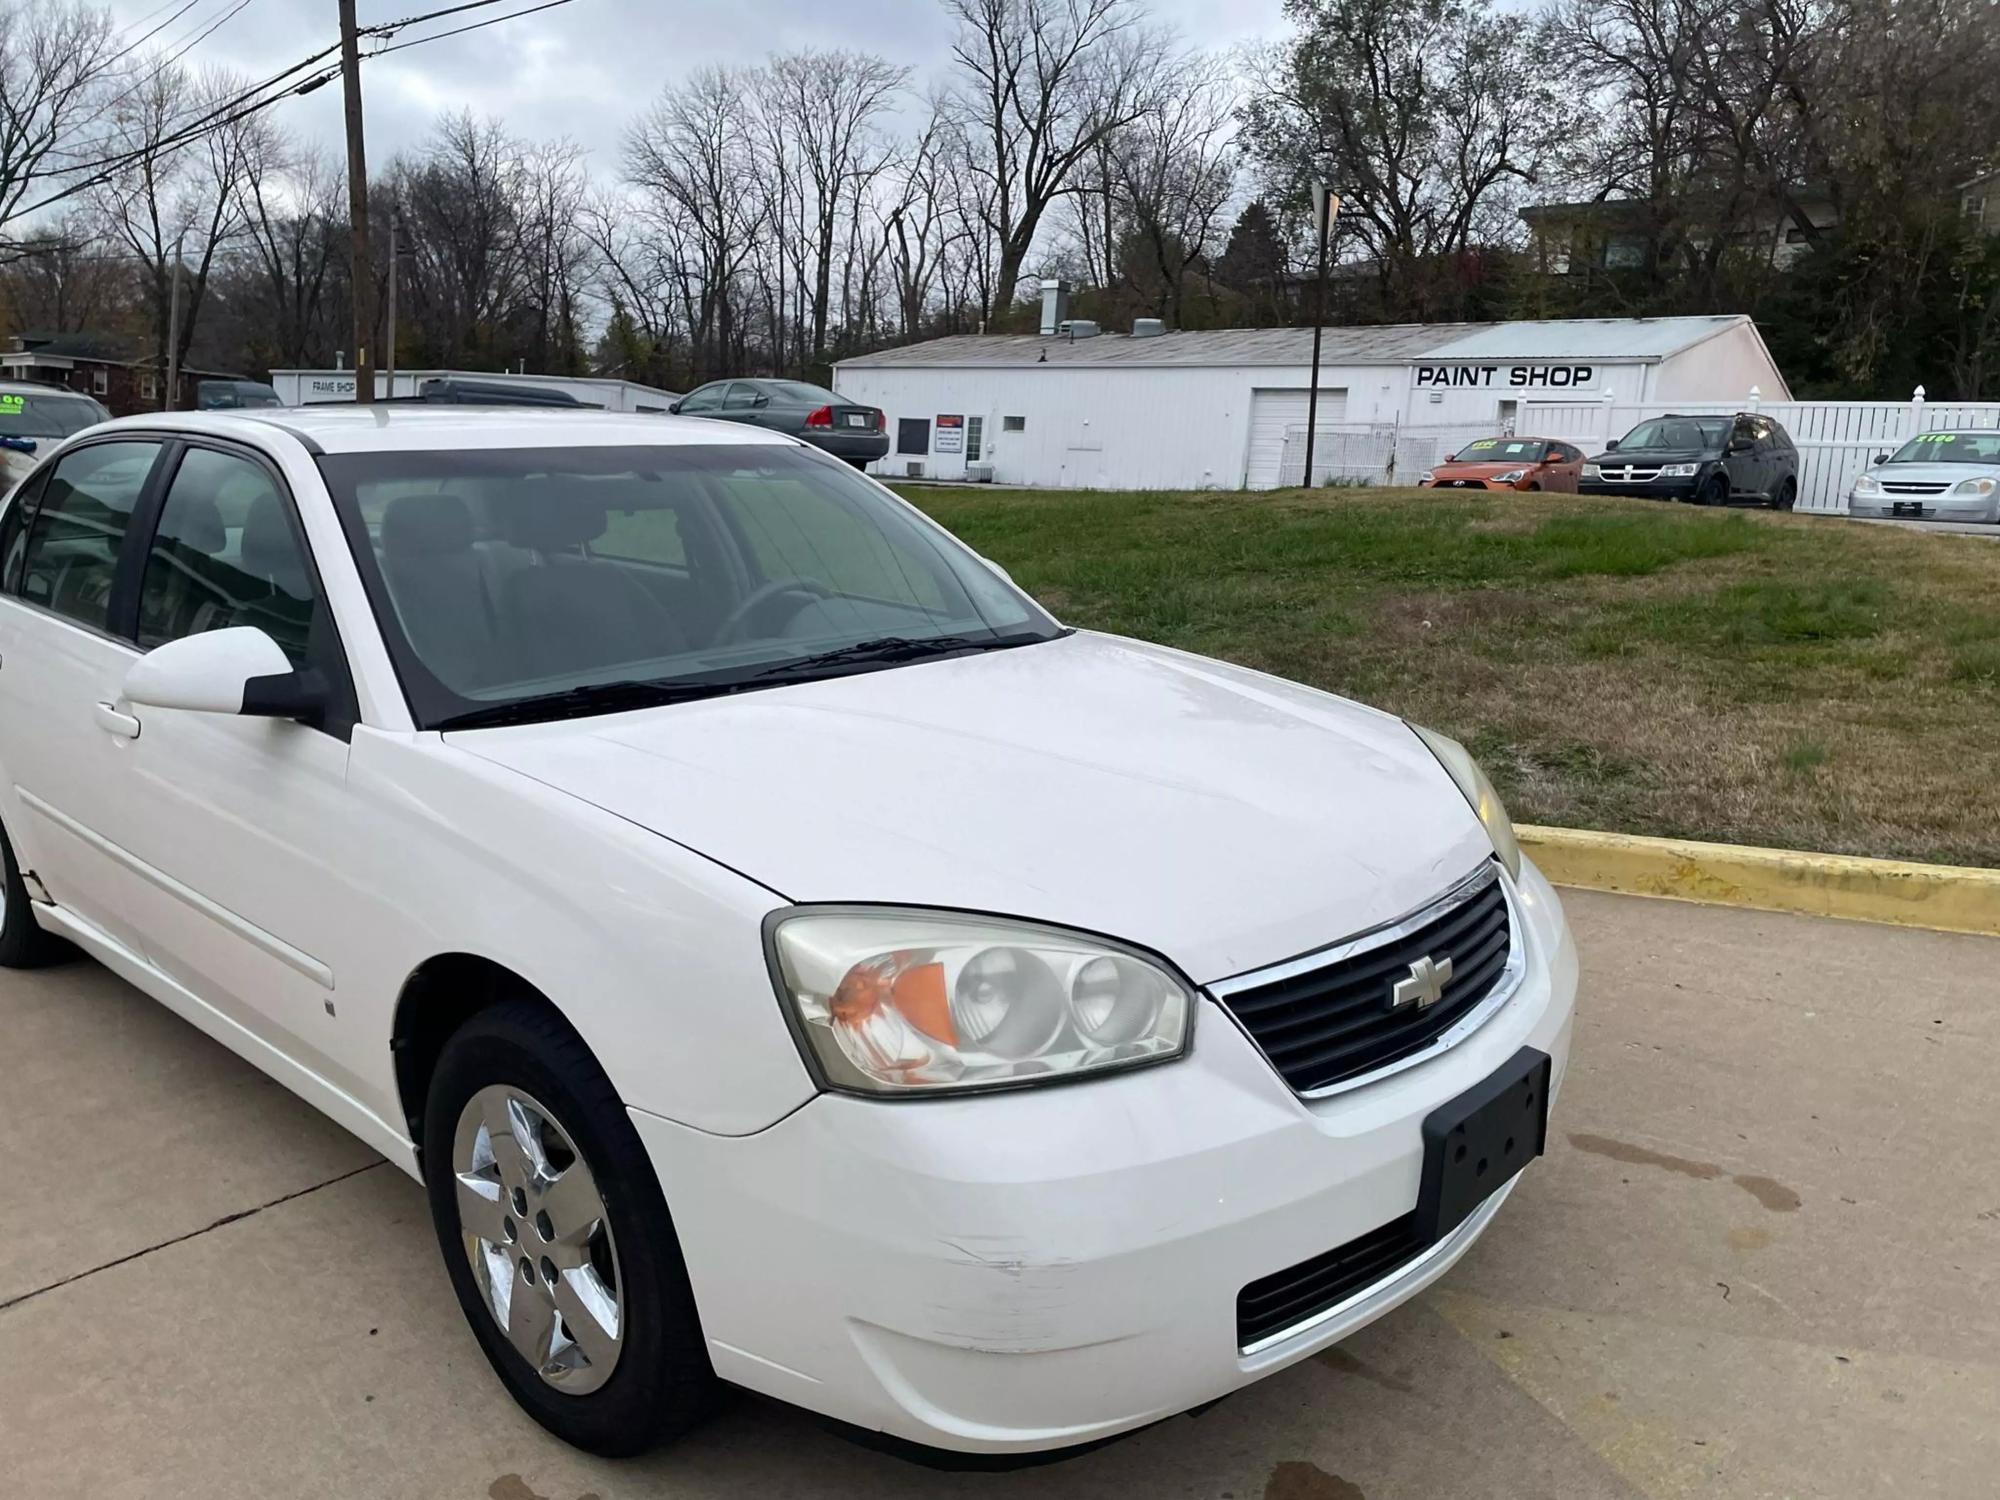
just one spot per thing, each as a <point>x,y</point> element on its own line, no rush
<point>1273,414</point>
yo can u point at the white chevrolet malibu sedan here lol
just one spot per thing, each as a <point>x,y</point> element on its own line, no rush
<point>787,956</point>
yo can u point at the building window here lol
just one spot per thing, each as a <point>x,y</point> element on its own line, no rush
<point>1795,236</point>
<point>100,382</point>
<point>1973,206</point>
<point>1013,424</point>
<point>913,435</point>
<point>975,431</point>
<point>149,389</point>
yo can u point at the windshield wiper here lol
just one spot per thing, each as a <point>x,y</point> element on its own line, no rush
<point>591,698</point>
<point>890,648</point>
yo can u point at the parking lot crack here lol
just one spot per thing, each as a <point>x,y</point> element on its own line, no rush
<point>237,1217</point>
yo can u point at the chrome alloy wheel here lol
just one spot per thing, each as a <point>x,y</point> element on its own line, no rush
<point>538,1238</point>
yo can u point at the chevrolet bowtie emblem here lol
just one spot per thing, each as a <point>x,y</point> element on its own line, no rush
<point>1425,986</point>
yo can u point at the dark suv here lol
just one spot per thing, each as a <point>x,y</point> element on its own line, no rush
<point>1709,460</point>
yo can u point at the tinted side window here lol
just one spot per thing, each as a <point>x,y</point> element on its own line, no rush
<point>225,554</point>
<point>71,551</point>
<point>708,398</point>
<point>742,396</point>
<point>13,534</point>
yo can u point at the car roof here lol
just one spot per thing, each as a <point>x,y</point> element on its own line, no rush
<point>349,427</point>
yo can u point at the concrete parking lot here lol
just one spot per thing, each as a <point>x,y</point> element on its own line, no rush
<point>1761,1259</point>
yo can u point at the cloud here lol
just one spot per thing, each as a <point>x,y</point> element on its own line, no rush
<point>585,69</point>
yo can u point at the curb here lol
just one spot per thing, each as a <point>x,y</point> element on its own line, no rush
<point>1947,898</point>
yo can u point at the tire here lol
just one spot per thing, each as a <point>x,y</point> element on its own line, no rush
<point>656,1382</point>
<point>1787,496</point>
<point>23,944</point>
<point>1714,491</point>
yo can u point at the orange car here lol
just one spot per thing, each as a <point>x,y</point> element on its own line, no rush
<point>1508,463</point>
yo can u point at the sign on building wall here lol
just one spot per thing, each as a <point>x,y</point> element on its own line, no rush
<point>1521,377</point>
<point>329,388</point>
<point>950,436</point>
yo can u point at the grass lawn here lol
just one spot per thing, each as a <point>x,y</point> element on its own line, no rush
<point>1790,680</point>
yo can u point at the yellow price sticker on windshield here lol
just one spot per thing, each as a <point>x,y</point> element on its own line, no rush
<point>12,406</point>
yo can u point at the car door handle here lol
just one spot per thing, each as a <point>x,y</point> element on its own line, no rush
<point>125,726</point>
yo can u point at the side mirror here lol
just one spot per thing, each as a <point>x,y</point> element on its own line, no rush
<point>1611,446</point>
<point>675,408</point>
<point>1451,458</point>
<point>1881,458</point>
<point>236,671</point>
<point>1740,445</point>
<point>761,400</point>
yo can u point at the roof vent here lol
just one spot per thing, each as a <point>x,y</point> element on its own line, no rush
<point>1078,328</point>
<point>1055,305</point>
<point>1148,328</point>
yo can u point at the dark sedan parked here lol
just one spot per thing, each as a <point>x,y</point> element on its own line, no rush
<point>859,434</point>
<point>1709,460</point>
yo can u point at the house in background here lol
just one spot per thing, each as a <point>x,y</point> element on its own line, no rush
<point>98,365</point>
<point>1612,234</point>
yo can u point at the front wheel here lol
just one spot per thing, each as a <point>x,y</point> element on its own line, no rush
<point>1787,496</point>
<point>557,1237</point>
<point>1715,491</point>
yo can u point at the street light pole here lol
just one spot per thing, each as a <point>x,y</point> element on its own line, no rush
<point>389,348</point>
<point>1325,206</point>
<point>173,371</point>
<point>363,274</point>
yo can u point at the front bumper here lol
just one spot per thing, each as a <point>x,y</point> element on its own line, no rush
<point>1647,489</point>
<point>1468,484</point>
<point>1945,507</point>
<point>1037,1270</point>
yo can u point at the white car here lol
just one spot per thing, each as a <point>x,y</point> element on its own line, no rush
<point>788,956</point>
<point>1935,476</point>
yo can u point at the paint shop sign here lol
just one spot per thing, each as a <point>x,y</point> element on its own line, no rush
<point>1493,377</point>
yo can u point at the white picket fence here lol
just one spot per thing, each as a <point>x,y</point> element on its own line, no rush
<point>1374,452</point>
<point>1836,439</point>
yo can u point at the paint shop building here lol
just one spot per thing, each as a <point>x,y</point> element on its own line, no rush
<point>1227,409</point>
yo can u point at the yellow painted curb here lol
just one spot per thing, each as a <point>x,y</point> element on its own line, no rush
<point>1946,897</point>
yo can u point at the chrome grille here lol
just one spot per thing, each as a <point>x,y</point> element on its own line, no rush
<point>1331,1019</point>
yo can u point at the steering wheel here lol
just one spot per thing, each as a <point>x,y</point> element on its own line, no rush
<point>730,631</point>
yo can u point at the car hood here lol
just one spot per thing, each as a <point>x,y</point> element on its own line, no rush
<point>1933,473</point>
<point>1646,458</point>
<point>1219,816</point>
<point>1483,470</point>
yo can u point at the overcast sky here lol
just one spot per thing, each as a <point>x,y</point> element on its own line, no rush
<point>582,69</point>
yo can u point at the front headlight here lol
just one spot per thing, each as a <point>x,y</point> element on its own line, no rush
<point>1512,476</point>
<point>1486,805</point>
<point>1867,484</point>
<point>1590,471</point>
<point>899,1001</point>
<point>1973,487</point>
<point>1680,471</point>
<point>1425,477</point>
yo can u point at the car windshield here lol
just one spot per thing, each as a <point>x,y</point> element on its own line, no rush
<point>1502,451</point>
<point>39,416</point>
<point>798,390</point>
<point>1683,434</point>
<point>1950,448</point>
<point>518,584</point>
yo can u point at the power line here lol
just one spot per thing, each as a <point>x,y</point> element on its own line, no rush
<point>438,36</point>
<point>185,134</point>
<point>131,47</point>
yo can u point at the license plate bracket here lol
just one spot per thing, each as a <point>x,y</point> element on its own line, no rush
<point>1906,508</point>
<point>1475,1143</point>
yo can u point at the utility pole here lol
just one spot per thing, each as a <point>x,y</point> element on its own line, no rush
<point>168,400</point>
<point>1325,206</point>
<point>389,350</point>
<point>363,273</point>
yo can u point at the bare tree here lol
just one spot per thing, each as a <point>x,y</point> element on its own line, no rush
<point>829,108</point>
<point>53,58</point>
<point>691,160</point>
<point>175,207</point>
<point>465,274</point>
<point>1042,83</point>
<point>293,210</point>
